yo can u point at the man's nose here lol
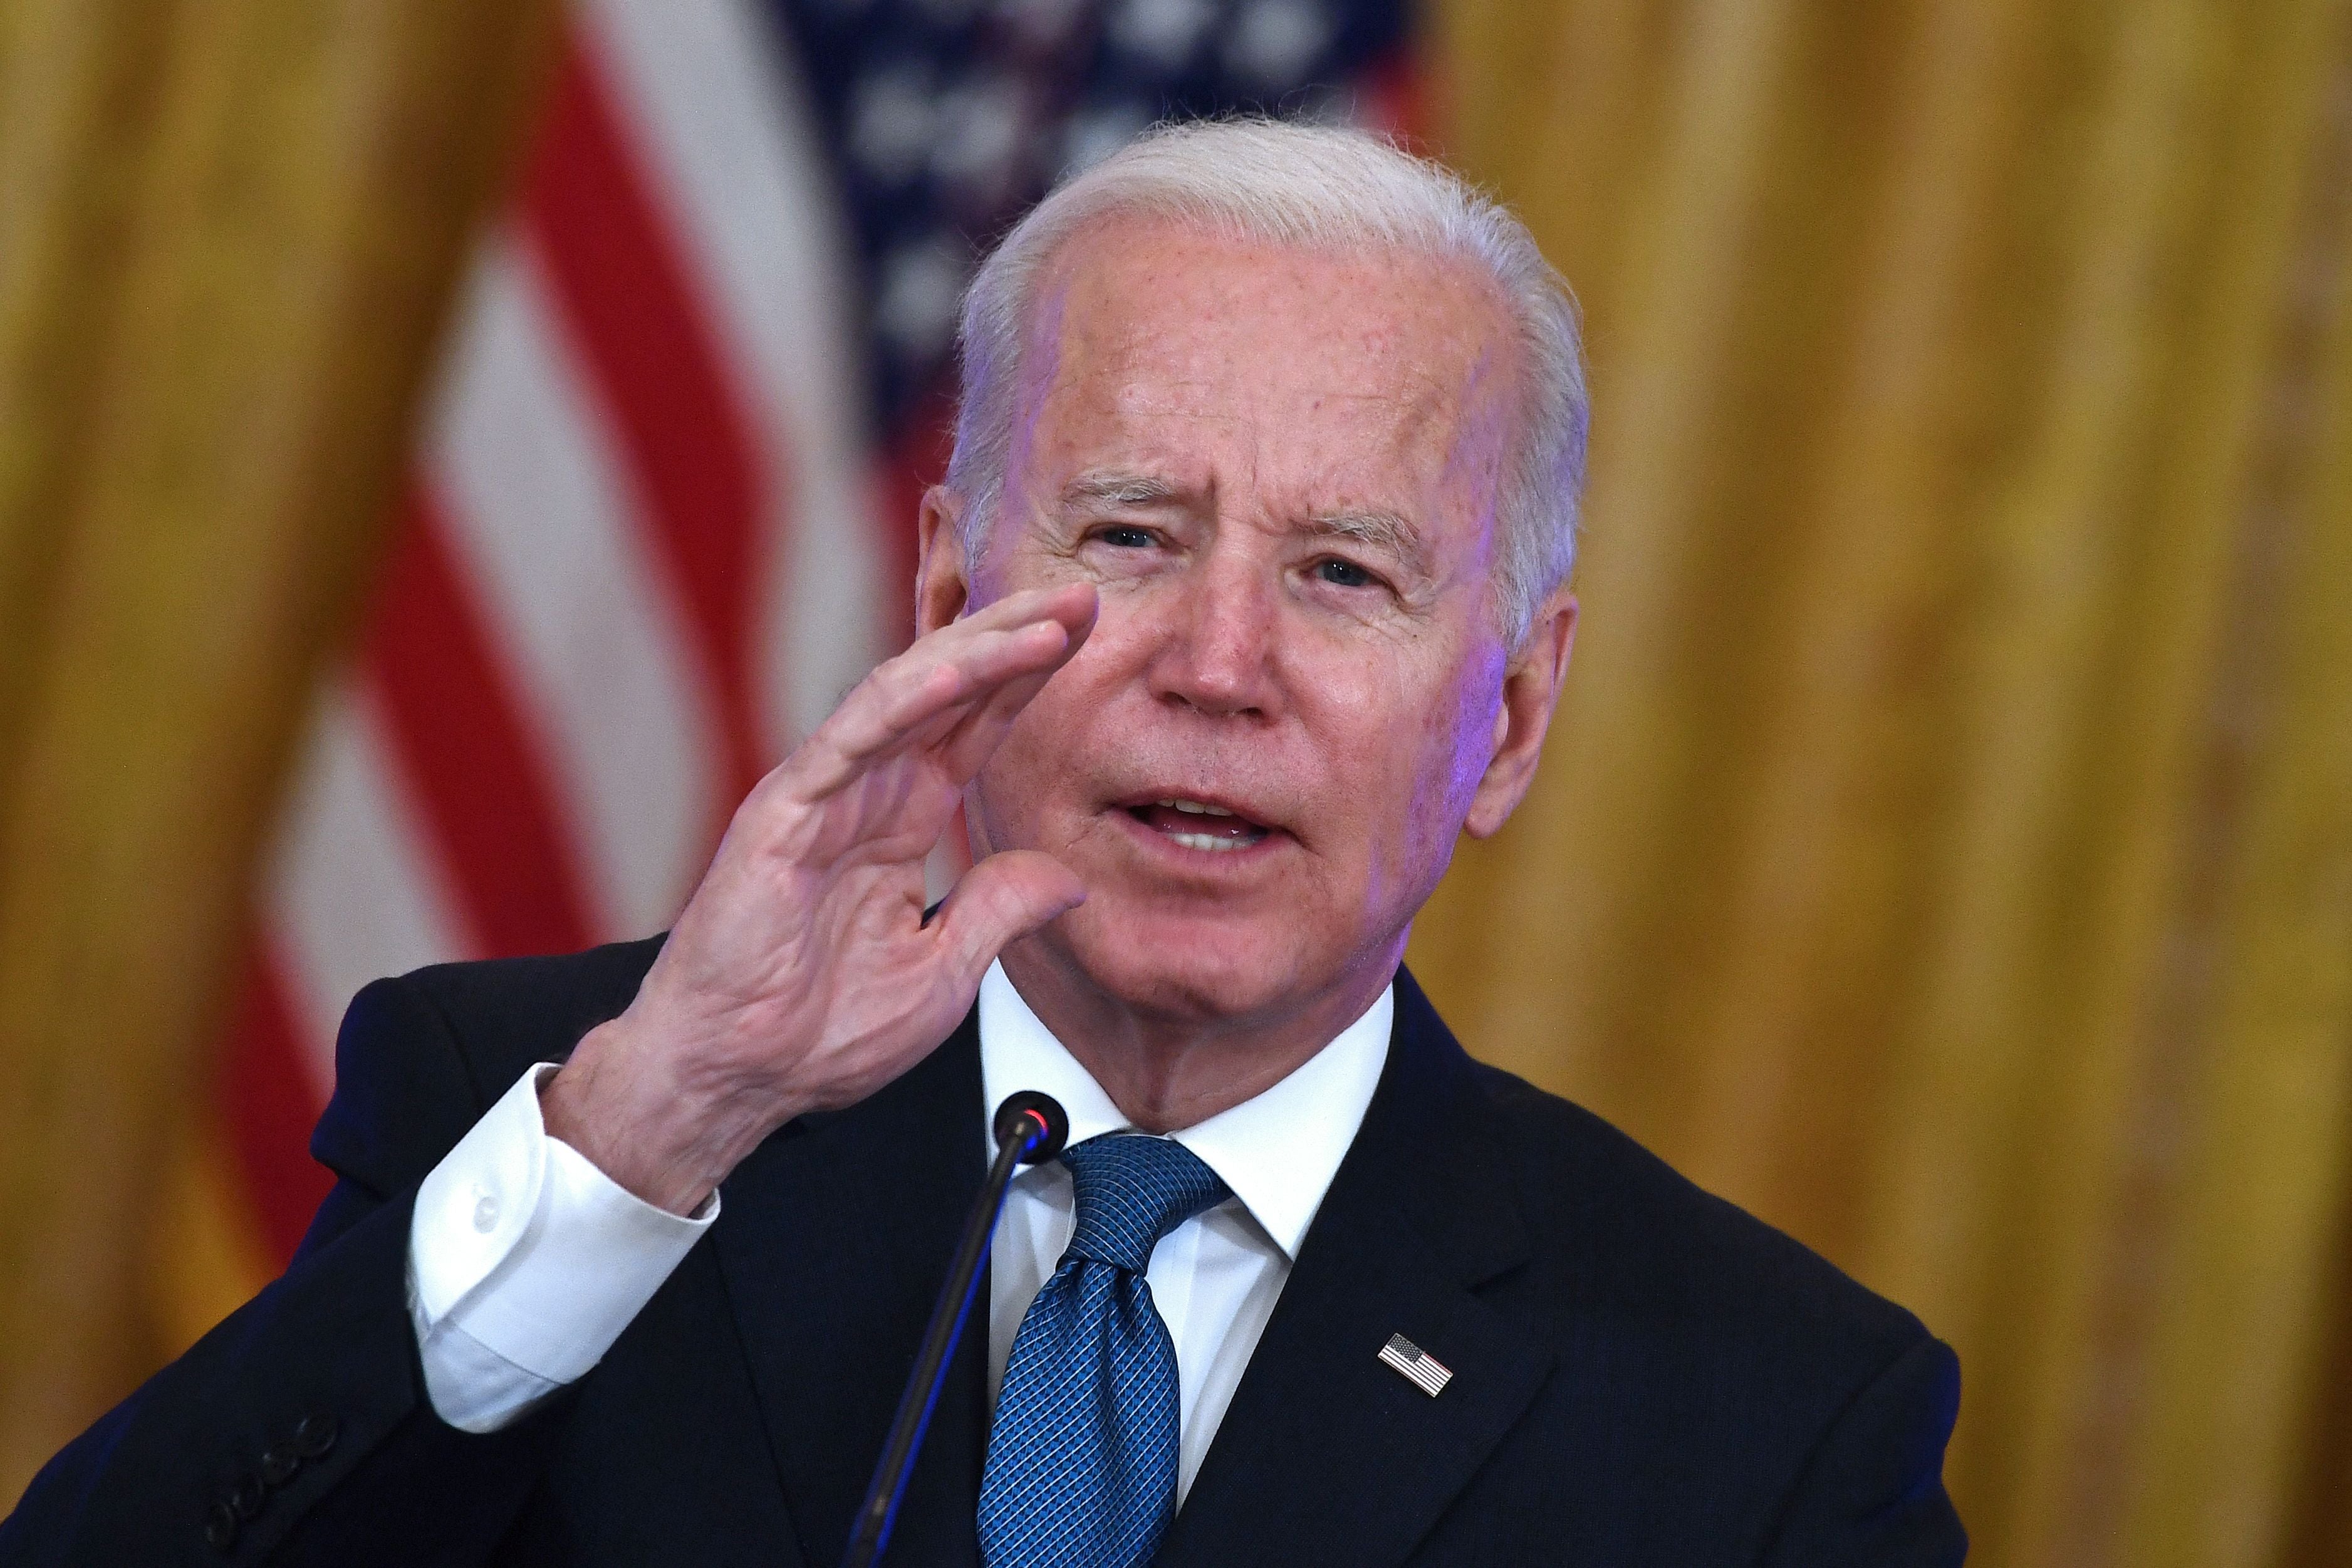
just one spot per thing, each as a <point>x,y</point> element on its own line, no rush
<point>1218,650</point>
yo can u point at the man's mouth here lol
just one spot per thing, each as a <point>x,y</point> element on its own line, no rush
<point>1197,825</point>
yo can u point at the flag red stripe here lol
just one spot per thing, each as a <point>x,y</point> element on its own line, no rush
<point>617,277</point>
<point>269,1102</point>
<point>469,760</point>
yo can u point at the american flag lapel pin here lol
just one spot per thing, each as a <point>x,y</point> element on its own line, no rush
<point>1420,1368</point>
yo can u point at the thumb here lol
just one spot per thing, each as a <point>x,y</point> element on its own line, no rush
<point>1001,900</point>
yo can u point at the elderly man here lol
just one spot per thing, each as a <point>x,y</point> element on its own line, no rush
<point>1245,596</point>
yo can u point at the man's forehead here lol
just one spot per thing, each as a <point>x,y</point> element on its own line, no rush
<point>1359,386</point>
<point>1154,293</point>
<point>1234,340</point>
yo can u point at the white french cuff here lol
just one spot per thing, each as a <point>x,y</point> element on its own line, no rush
<point>521,1248</point>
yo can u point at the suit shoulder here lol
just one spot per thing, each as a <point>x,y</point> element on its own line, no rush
<point>1677,1256</point>
<point>466,1031</point>
<point>504,1014</point>
<point>421,1056</point>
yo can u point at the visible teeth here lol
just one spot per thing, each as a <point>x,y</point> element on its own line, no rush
<point>1207,842</point>
<point>1197,809</point>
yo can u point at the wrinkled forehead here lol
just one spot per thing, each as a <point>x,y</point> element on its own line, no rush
<point>1147,324</point>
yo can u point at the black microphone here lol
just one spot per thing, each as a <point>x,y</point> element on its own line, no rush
<point>1030,1130</point>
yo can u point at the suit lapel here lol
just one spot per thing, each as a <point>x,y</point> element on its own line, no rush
<point>834,1239</point>
<point>1323,1443</point>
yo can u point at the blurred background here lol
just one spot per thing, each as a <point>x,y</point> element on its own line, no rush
<point>448,450</point>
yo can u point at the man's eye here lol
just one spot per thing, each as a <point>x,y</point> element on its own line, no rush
<point>1344,574</point>
<point>1125,538</point>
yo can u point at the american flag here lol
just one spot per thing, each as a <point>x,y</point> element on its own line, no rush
<point>658,516</point>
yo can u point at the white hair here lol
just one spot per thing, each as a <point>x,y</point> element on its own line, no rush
<point>1315,187</point>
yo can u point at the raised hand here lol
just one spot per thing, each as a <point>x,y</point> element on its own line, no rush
<point>801,976</point>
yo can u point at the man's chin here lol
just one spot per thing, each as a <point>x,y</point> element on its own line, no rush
<point>1206,966</point>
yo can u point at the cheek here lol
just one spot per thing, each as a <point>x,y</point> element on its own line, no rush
<point>1457,743</point>
<point>1043,759</point>
<point>1035,755</point>
<point>1472,734</point>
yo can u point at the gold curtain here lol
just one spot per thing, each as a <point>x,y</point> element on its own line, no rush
<point>227,230</point>
<point>1946,846</point>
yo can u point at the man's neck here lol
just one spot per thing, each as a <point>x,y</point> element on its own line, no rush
<point>1168,1070</point>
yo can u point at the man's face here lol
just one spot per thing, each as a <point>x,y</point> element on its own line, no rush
<point>1279,470</point>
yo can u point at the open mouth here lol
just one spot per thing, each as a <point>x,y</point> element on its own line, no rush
<point>1196,825</point>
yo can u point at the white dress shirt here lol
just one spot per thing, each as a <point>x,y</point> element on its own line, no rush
<point>1215,1277</point>
<point>525,1261</point>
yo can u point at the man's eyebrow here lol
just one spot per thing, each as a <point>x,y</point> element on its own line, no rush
<point>1382,530</point>
<point>1113,489</point>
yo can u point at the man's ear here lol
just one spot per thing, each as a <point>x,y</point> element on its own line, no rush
<point>1531,692</point>
<point>942,575</point>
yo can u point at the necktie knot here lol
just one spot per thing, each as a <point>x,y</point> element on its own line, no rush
<point>1133,1189</point>
<point>1082,1457</point>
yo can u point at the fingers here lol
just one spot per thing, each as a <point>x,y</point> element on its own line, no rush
<point>901,699</point>
<point>1072,604</point>
<point>1023,637</point>
<point>1000,901</point>
<point>977,727</point>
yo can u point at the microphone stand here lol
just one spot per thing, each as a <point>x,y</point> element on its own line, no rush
<point>1030,1130</point>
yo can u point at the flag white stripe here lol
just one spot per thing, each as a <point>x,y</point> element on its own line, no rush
<point>551,539</point>
<point>546,527</point>
<point>353,891</point>
<point>740,174</point>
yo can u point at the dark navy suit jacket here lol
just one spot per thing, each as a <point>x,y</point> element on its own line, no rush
<point>1643,1374</point>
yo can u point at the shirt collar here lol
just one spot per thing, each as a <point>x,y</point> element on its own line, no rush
<point>1277,1151</point>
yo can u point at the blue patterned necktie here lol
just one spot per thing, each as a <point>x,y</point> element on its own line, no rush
<point>1081,1460</point>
